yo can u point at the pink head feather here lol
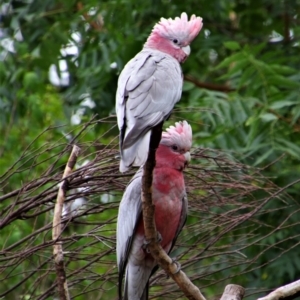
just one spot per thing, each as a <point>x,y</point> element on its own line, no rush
<point>187,29</point>
<point>180,134</point>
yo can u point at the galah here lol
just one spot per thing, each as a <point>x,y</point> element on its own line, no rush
<point>169,198</point>
<point>150,84</point>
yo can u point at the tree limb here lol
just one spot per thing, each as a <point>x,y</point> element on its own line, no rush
<point>62,285</point>
<point>284,292</point>
<point>207,85</point>
<point>158,253</point>
<point>233,292</point>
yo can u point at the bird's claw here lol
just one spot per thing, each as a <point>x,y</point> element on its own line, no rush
<point>145,245</point>
<point>146,242</point>
<point>178,265</point>
<point>159,237</point>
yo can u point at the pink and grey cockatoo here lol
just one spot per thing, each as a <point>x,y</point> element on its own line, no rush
<point>150,85</point>
<point>169,198</point>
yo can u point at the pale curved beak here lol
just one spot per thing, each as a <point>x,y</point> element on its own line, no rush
<point>186,50</point>
<point>187,156</point>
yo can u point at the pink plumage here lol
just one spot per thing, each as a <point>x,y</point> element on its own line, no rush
<point>169,198</point>
<point>182,26</point>
<point>151,84</point>
<point>174,36</point>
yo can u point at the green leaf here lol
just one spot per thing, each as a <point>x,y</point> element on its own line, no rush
<point>290,147</point>
<point>232,45</point>
<point>251,120</point>
<point>255,50</point>
<point>238,66</point>
<point>282,81</point>
<point>247,75</point>
<point>187,86</point>
<point>267,117</point>
<point>284,70</point>
<point>263,157</point>
<point>228,60</point>
<point>281,104</point>
<point>30,80</point>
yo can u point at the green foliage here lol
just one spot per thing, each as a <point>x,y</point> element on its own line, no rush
<point>244,97</point>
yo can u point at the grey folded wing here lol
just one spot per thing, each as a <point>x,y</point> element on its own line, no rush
<point>129,214</point>
<point>148,88</point>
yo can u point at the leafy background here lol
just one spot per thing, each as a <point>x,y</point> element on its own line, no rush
<point>59,65</point>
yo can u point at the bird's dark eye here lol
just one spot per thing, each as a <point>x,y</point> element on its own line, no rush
<point>174,147</point>
<point>175,41</point>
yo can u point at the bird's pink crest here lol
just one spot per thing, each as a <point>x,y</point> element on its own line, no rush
<point>188,29</point>
<point>180,134</point>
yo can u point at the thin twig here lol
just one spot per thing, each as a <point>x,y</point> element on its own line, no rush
<point>62,285</point>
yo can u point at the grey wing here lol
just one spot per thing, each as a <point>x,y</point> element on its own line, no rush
<point>129,213</point>
<point>122,94</point>
<point>182,219</point>
<point>147,94</point>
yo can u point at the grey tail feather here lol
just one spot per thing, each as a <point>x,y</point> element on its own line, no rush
<point>128,156</point>
<point>144,296</point>
<point>125,291</point>
<point>122,133</point>
<point>120,283</point>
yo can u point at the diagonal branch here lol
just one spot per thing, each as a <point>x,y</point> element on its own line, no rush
<point>158,253</point>
<point>208,85</point>
<point>289,291</point>
<point>62,285</point>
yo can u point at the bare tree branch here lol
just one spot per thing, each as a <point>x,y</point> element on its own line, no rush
<point>158,253</point>
<point>63,290</point>
<point>227,200</point>
<point>284,292</point>
<point>208,85</point>
<point>233,292</point>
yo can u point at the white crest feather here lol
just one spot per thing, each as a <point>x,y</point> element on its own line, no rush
<point>180,134</point>
<point>179,26</point>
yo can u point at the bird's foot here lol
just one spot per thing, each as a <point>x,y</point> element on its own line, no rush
<point>159,237</point>
<point>145,245</point>
<point>178,265</point>
<point>146,242</point>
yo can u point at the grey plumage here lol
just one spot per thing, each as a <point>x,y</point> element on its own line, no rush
<point>148,88</point>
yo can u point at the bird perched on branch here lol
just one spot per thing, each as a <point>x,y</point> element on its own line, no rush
<point>169,198</point>
<point>150,85</point>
